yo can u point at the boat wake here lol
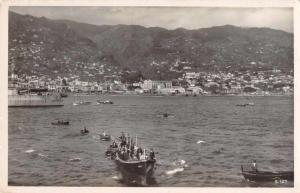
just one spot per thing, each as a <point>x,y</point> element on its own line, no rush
<point>174,171</point>
<point>200,141</point>
<point>116,178</point>
<point>35,154</point>
<point>180,166</point>
<point>42,155</point>
<point>30,151</point>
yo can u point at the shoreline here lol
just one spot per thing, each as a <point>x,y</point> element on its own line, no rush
<point>181,95</point>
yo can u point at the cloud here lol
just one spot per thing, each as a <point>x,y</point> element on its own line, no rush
<point>169,17</point>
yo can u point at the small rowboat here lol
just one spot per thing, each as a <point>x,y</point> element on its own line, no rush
<point>60,123</point>
<point>244,105</point>
<point>83,132</point>
<point>263,176</point>
<point>105,102</point>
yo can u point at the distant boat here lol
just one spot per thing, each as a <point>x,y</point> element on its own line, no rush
<point>59,122</point>
<point>166,115</point>
<point>241,105</point>
<point>77,103</point>
<point>105,102</point>
<point>18,97</point>
<point>63,94</point>
<point>84,131</point>
<point>245,104</point>
<point>263,176</point>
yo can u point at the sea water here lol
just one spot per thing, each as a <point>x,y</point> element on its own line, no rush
<point>202,143</point>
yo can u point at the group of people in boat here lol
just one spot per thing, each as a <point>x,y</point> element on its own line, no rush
<point>126,150</point>
<point>60,122</point>
<point>84,130</point>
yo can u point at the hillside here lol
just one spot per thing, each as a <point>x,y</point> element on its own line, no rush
<point>65,48</point>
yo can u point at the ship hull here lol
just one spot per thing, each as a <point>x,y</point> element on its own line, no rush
<point>32,101</point>
<point>34,106</point>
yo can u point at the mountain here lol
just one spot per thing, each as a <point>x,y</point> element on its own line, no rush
<point>66,48</point>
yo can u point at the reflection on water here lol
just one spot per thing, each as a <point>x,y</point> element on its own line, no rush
<point>201,144</point>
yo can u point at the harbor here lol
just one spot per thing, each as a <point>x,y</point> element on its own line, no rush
<point>151,96</point>
<point>202,143</point>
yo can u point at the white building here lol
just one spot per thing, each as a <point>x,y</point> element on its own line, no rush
<point>170,91</point>
<point>156,84</point>
<point>194,90</point>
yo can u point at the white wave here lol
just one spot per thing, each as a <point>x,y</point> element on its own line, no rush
<point>42,155</point>
<point>179,162</point>
<point>174,171</point>
<point>200,141</point>
<point>76,159</point>
<point>182,162</point>
<point>115,178</point>
<point>30,151</point>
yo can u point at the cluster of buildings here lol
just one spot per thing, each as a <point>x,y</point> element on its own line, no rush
<point>196,83</point>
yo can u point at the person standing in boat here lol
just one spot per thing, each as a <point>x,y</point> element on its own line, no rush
<point>139,152</point>
<point>123,143</point>
<point>254,166</point>
<point>152,154</point>
<point>85,130</point>
<point>114,144</point>
<point>123,137</point>
<point>131,151</point>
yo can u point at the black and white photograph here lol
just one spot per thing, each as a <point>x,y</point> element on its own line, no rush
<point>149,96</point>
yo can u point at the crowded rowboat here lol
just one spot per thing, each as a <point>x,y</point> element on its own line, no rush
<point>134,163</point>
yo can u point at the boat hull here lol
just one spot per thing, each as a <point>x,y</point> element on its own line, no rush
<point>32,101</point>
<point>136,171</point>
<point>34,106</point>
<point>267,176</point>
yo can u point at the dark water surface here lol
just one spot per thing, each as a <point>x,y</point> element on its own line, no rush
<point>202,144</point>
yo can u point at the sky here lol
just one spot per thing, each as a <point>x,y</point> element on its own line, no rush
<point>168,17</point>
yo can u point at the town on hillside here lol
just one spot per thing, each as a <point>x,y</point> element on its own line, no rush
<point>270,82</point>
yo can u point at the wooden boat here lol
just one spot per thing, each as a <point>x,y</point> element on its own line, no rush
<point>83,132</point>
<point>134,164</point>
<point>166,115</point>
<point>63,94</point>
<point>261,176</point>
<point>105,102</point>
<point>244,105</point>
<point>33,100</point>
<point>58,122</point>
